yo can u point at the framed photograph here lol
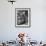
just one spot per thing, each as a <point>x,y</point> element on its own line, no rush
<point>22,17</point>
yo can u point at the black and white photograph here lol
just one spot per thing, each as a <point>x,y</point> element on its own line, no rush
<point>22,17</point>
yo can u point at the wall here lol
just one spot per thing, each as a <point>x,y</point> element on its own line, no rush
<point>37,31</point>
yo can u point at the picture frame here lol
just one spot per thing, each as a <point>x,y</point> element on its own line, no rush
<point>22,17</point>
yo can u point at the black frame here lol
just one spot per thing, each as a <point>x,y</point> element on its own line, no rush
<point>29,14</point>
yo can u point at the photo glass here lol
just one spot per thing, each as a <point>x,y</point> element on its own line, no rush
<point>22,17</point>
